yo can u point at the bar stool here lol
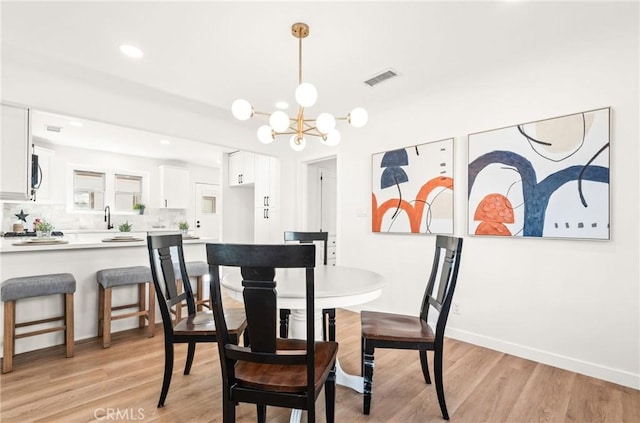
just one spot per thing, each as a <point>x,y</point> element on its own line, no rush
<point>197,269</point>
<point>36,286</point>
<point>110,278</point>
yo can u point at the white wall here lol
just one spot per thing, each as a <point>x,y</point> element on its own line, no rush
<point>572,304</point>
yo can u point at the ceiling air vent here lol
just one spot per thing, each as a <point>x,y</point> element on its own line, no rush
<point>52,128</point>
<point>375,80</point>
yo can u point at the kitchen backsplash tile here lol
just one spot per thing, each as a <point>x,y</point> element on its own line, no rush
<point>61,220</point>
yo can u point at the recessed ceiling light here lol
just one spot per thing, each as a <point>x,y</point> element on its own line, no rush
<point>165,142</point>
<point>75,123</point>
<point>282,105</point>
<point>131,51</point>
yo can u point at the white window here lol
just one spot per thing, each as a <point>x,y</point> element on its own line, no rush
<point>91,189</point>
<point>88,190</point>
<point>128,191</point>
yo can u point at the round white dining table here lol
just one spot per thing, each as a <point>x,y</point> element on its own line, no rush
<point>335,286</point>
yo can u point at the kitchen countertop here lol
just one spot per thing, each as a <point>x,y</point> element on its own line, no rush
<point>84,241</point>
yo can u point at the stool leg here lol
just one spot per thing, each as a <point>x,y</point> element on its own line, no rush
<point>68,318</point>
<point>106,319</point>
<point>9,335</point>
<point>142,295</point>
<point>179,305</point>
<point>199,293</point>
<point>152,310</point>
<point>100,310</point>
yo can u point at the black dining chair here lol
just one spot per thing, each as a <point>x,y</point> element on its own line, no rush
<point>166,257</point>
<point>328,314</point>
<point>388,330</point>
<point>271,371</point>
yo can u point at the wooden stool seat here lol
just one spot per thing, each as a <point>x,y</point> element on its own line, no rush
<point>123,276</point>
<point>36,286</point>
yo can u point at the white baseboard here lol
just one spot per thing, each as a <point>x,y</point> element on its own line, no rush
<point>609,374</point>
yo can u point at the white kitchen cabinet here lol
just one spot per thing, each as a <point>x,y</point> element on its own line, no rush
<point>267,227</point>
<point>241,168</point>
<point>15,154</point>
<point>267,181</point>
<point>174,187</point>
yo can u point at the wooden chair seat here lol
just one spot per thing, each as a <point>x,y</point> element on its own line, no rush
<point>395,327</point>
<point>287,378</point>
<point>202,323</point>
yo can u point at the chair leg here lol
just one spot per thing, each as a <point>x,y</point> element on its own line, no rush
<point>228,406</point>
<point>191,351</point>
<point>367,365</point>
<point>284,322</point>
<point>168,371</point>
<point>330,396</point>
<point>106,318</point>
<point>425,367</point>
<point>437,371</point>
<point>68,323</point>
<point>151,313</point>
<point>262,413</point>
<point>9,335</point>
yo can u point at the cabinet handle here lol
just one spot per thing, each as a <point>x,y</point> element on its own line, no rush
<point>267,199</point>
<point>264,201</point>
<point>267,210</point>
<point>165,203</point>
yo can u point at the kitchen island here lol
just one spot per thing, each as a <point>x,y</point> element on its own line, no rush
<point>82,255</point>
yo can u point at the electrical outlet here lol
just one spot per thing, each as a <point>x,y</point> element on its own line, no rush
<point>456,308</point>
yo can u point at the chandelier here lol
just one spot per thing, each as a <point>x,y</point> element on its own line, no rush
<point>300,127</point>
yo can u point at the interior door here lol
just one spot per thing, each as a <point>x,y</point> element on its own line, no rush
<point>208,205</point>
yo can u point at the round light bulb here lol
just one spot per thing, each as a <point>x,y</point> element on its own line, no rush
<point>332,138</point>
<point>306,94</point>
<point>279,121</point>
<point>358,117</point>
<point>325,122</point>
<point>265,134</point>
<point>297,144</point>
<point>241,109</point>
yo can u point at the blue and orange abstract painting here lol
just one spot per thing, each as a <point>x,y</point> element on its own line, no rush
<point>545,179</point>
<point>412,189</point>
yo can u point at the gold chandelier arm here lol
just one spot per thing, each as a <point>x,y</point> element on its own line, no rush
<point>255,112</point>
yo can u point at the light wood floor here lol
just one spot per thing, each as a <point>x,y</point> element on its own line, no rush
<point>481,385</point>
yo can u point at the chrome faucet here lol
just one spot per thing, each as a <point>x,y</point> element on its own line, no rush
<point>107,217</point>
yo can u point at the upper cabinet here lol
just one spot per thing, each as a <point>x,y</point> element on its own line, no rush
<point>241,168</point>
<point>174,187</point>
<point>15,157</point>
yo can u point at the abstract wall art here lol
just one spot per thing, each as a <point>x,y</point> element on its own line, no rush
<point>412,189</point>
<point>544,179</point>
